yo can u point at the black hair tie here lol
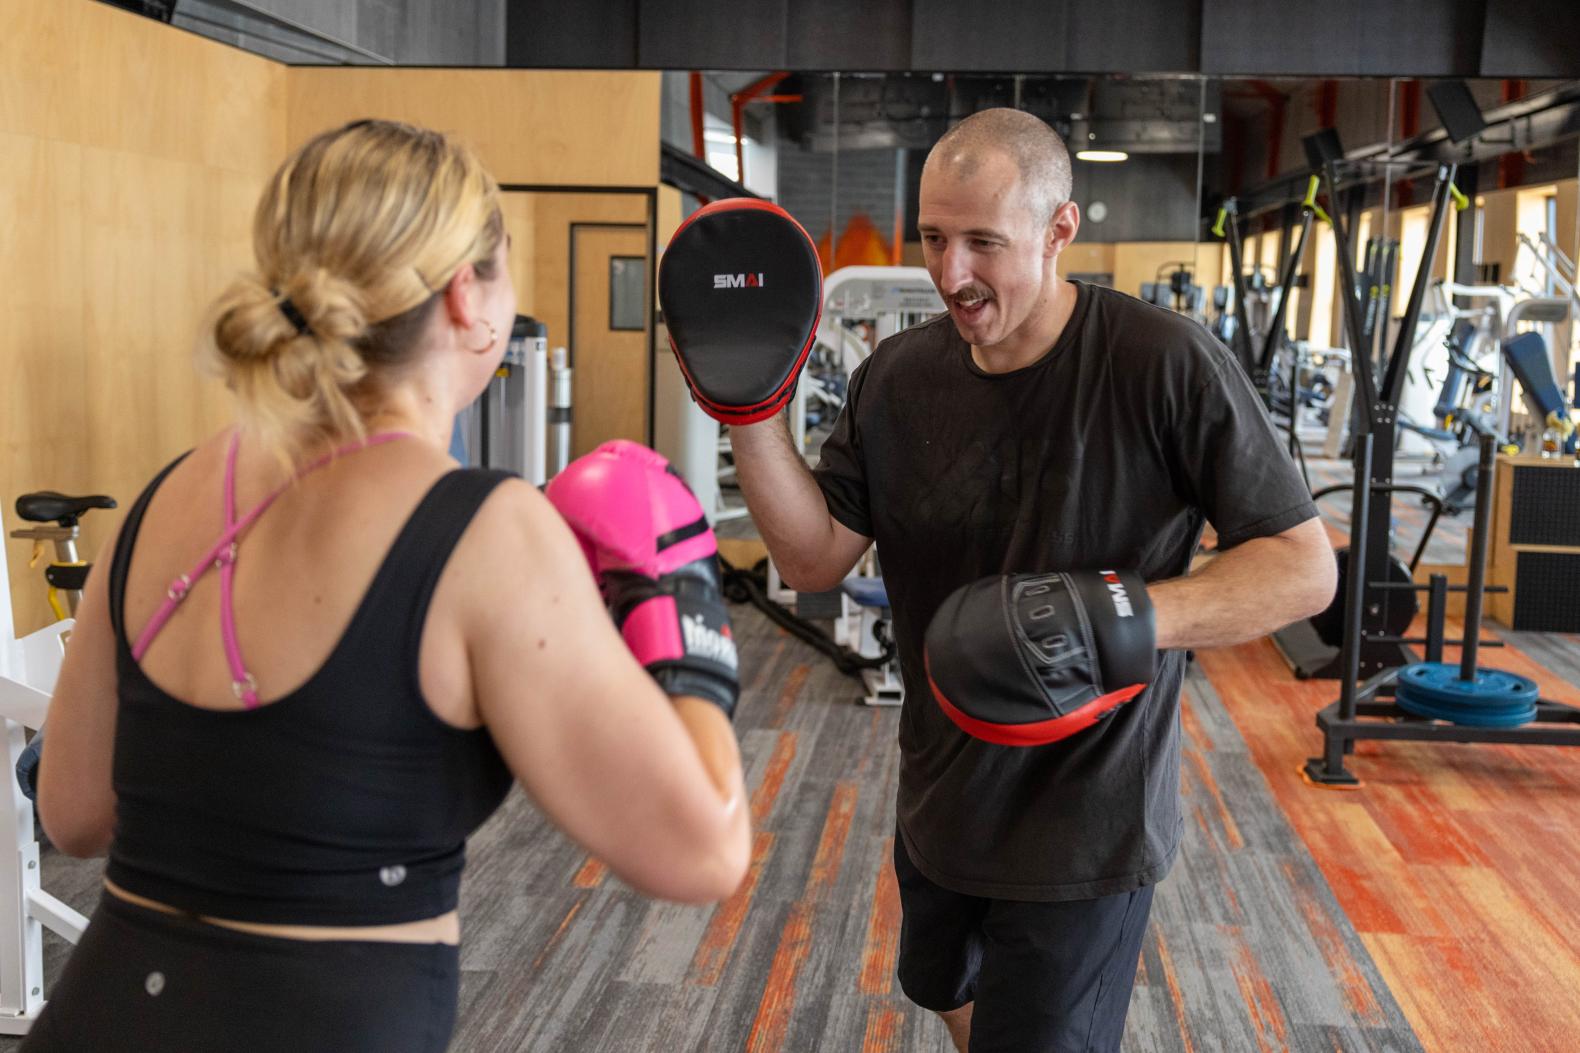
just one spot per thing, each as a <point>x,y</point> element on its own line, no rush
<point>292,315</point>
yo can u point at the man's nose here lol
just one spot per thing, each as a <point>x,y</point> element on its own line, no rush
<point>954,271</point>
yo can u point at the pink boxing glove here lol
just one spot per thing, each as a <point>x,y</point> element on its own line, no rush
<point>655,558</point>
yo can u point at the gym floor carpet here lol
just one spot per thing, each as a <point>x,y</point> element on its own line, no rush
<point>1431,910</point>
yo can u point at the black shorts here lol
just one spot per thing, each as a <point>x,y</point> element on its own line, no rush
<point>1044,977</point>
<point>148,981</point>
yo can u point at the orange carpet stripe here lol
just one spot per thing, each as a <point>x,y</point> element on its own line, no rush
<point>788,695</point>
<point>559,933</point>
<point>713,952</point>
<point>831,846</point>
<point>1176,1001</point>
<point>883,1030</point>
<point>1195,737</point>
<point>1272,1032</point>
<point>591,874</point>
<point>1231,829</point>
<point>772,1023</point>
<point>882,950</point>
<point>773,777</point>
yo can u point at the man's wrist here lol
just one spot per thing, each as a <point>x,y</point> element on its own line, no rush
<point>1168,621</point>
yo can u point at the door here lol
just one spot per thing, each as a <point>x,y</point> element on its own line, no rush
<point>610,316</point>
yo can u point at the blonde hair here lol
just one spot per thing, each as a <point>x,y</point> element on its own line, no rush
<point>355,238</point>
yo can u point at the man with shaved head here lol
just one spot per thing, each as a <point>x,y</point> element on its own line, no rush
<point>1037,467</point>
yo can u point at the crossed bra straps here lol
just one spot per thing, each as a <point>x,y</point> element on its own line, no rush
<point>222,556</point>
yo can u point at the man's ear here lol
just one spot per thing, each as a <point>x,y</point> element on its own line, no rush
<point>1062,228</point>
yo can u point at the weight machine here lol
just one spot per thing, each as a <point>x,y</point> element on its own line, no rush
<point>1313,646</point>
<point>1402,698</point>
<point>888,299</point>
<point>508,426</point>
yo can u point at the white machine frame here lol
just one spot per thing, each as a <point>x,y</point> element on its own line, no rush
<point>28,668</point>
<point>892,298</point>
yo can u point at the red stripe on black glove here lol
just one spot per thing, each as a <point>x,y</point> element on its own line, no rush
<point>1029,659</point>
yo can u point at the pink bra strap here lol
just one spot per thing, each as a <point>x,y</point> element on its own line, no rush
<point>241,681</point>
<point>222,554</point>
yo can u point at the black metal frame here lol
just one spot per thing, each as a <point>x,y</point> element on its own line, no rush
<point>1375,415</point>
<point>1370,711</point>
<point>1258,362</point>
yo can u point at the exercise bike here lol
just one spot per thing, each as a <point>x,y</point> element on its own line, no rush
<point>65,575</point>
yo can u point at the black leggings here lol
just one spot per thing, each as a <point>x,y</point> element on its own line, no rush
<point>148,981</point>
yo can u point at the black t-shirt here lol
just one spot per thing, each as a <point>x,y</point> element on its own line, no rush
<point>1111,450</point>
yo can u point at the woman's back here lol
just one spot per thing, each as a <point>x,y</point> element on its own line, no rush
<point>342,798</point>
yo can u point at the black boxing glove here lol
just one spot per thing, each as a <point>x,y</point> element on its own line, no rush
<point>1029,659</point>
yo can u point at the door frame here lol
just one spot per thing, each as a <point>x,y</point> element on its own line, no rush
<point>647,321</point>
<point>650,194</point>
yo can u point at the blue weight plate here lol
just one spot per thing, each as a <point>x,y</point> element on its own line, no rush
<point>1494,699</point>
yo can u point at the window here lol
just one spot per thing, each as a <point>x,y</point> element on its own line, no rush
<point>1322,284</point>
<point>627,292</point>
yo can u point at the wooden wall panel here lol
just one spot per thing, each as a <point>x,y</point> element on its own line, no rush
<point>85,72</point>
<point>550,127</point>
<point>1087,258</point>
<point>1568,239</point>
<point>131,157</point>
<point>41,410</point>
<point>1138,261</point>
<point>1499,240</point>
<point>41,65</point>
<point>671,213</point>
<point>520,211</point>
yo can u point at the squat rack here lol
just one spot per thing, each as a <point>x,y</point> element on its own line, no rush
<point>1370,710</point>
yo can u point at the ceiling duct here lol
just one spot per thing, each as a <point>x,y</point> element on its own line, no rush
<point>913,110</point>
<point>1148,117</point>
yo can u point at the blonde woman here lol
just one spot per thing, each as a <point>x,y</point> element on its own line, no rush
<point>321,653</point>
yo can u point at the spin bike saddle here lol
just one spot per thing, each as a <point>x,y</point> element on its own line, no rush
<point>46,506</point>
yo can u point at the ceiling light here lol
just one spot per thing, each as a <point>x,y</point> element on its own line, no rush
<point>1101,155</point>
<point>718,135</point>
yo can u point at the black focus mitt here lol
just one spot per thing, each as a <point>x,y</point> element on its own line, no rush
<point>1029,659</point>
<point>741,289</point>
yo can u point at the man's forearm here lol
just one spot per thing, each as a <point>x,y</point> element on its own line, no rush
<point>786,504</point>
<point>1247,592</point>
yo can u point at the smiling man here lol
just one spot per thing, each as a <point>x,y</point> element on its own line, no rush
<point>1041,426</point>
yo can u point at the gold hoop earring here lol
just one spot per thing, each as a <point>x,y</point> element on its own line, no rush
<point>493,336</point>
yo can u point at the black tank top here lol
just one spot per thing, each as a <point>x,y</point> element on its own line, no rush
<point>347,802</point>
